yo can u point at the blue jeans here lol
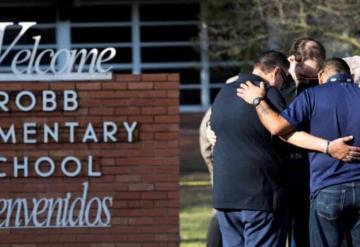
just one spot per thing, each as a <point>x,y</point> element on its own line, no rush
<point>252,228</point>
<point>335,216</point>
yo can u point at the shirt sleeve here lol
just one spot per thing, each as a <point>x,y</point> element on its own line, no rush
<point>205,145</point>
<point>275,99</point>
<point>299,111</point>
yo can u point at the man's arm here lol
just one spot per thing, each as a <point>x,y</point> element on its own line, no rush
<point>271,120</point>
<point>205,144</point>
<point>277,125</point>
<point>337,148</point>
<point>210,135</point>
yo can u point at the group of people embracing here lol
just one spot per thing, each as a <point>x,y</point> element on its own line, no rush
<point>283,142</point>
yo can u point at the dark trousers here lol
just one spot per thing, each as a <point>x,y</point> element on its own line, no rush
<point>214,234</point>
<point>299,206</point>
<point>298,175</point>
<point>335,216</point>
<point>250,228</point>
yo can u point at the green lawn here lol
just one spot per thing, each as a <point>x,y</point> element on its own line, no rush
<point>195,209</point>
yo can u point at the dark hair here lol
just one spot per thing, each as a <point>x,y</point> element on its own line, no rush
<point>337,64</point>
<point>308,48</point>
<point>271,59</point>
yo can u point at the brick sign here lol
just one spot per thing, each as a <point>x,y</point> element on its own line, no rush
<point>90,163</point>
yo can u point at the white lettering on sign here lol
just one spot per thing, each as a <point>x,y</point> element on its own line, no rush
<point>48,98</point>
<point>27,64</point>
<point>67,132</point>
<point>56,212</point>
<point>46,167</point>
<point>82,211</point>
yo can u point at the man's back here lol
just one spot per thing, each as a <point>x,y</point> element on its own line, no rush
<point>331,111</point>
<point>247,166</point>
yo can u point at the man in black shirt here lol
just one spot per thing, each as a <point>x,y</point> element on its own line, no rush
<point>248,175</point>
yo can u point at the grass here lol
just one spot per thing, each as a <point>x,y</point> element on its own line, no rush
<point>195,209</point>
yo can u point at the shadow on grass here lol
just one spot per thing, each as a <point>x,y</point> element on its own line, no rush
<point>194,240</point>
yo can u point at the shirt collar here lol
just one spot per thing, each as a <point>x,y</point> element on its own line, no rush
<point>341,77</point>
<point>250,77</point>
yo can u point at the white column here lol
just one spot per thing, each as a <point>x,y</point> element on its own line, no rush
<point>63,38</point>
<point>205,64</point>
<point>135,39</point>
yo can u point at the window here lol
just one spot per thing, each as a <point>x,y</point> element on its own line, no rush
<point>146,41</point>
<point>170,11</point>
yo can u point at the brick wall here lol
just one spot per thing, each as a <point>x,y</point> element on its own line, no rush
<point>142,177</point>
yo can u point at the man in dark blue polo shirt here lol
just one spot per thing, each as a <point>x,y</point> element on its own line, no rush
<point>330,111</point>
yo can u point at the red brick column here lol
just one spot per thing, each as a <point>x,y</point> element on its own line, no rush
<point>142,177</point>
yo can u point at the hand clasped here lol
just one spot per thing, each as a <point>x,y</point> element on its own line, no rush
<point>248,91</point>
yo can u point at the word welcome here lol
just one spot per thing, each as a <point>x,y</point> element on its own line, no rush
<point>65,64</point>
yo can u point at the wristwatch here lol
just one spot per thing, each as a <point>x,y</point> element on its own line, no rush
<point>257,101</point>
